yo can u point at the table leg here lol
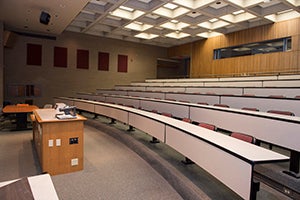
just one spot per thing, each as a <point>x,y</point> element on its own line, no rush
<point>21,121</point>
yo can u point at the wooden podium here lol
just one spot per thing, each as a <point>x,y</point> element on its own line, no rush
<point>59,143</point>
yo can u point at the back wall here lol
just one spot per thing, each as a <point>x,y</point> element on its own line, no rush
<point>51,81</point>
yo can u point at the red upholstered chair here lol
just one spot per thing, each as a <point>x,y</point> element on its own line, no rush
<point>281,112</point>
<point>170,99</point>
<point>202,103</point>
<point>221,105</point>
<point>184,101</point>
<point>244,137</point>
<point>276,96</point>
<point>167,114</point>
<point>251,109</point>
<point>188,120</point>
<point>208,126</point>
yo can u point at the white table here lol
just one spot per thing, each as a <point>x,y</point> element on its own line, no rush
<point>41,186</point>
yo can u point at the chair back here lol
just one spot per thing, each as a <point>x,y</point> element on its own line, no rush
<point>208,126</point>
<point>281,112</point>
<point>244,137</point>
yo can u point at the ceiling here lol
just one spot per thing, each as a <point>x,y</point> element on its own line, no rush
<point>157,22</point>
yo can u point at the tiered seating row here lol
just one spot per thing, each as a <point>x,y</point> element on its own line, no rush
<point>254,81</point>
<point>268,127</point>
<point>235,156</point>
<point>283,91</point>
<point>261,103</point>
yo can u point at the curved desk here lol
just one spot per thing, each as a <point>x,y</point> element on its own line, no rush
<point>276,129</point>
<point>212,151</point>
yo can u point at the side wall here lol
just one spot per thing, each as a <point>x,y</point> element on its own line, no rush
<point>55,81</point>
<point>201,52</point>
<point>1,61</point>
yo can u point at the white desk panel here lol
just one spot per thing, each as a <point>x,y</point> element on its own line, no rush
<point>283,83</point>
<point>263,104</point>
<point>148,125</point>
<point>286,77</point>
<point>147,94</point>
<point>111,91</point>
<point>184,84</point>
<point>230,170</point>
<point>287,92</point>
<point>124,100</point>
<point>85,105</point>
<point>166,106</point>
<point>95,97</point>
<point>165,89</point>
<point>65,100</point>
<point>194,98</point>
<point>129,87</point>
<point>235,84</point>
<point>249,78</point>
<point>217,90</point>
<point>115,113</point>
<point>280,132</point>
<point>82,95</point>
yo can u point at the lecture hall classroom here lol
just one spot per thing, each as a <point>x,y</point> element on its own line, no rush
<point>150,99</point>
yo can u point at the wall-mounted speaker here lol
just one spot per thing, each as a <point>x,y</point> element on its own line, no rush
<point>45,18</point>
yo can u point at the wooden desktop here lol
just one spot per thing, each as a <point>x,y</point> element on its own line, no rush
<point>59,143</point>
<point>21,111</point>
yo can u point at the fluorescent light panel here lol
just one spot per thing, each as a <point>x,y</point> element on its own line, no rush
<point>177,35</point>
<point>193,4</point>
<point>170,13</point>
<point>173,26</point>
<point>147,36</point>
<point>244,16</point>
<point>126,8</point>
<point>284,16</point>
<point>209,34</point>
<point>215,25</point>
<point>127,14</point>
<point>170,6</point>
<point>246,3</point>
<point>138,26</point>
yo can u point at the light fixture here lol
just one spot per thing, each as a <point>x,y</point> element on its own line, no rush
<point>170,6</point>
<point>126,8</point>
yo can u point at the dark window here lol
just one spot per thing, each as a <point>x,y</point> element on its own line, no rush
<point>270,46</point>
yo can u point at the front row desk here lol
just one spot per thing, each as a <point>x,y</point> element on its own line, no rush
<point>59,142</point>
<point>228,159</point>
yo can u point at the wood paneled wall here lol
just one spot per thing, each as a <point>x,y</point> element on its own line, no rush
<point>201,52</point>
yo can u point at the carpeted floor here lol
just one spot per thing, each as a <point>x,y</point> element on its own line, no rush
<point>119,165</point>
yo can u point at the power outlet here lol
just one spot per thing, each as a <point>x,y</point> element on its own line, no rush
<point>50,143</point>
<point>74,161</point>
<point>58,142</point>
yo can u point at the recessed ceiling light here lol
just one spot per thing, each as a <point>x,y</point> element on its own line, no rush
<point>170,6</point>
<point>238,12</point>
<point>284,11</point>
<point>213,20</point>
<point>126,8</point>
